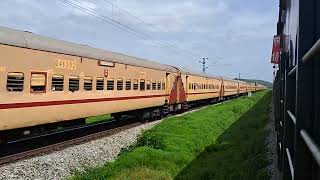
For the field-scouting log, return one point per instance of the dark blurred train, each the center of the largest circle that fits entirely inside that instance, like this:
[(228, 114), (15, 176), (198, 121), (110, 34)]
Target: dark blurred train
[(296, 90)]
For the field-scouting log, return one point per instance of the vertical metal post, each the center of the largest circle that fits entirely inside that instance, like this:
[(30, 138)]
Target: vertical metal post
[(204, 65)]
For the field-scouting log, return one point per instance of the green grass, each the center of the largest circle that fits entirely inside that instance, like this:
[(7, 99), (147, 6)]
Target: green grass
[(220, 142), (97, 119)]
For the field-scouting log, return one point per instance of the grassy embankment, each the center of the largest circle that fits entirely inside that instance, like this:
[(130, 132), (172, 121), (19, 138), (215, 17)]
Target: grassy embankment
[(225, 141)]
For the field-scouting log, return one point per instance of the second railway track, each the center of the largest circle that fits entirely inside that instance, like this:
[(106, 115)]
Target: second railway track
[(28, 147)]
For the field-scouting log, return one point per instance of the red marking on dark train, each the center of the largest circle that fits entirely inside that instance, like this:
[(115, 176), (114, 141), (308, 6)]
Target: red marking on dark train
[(76, 101)]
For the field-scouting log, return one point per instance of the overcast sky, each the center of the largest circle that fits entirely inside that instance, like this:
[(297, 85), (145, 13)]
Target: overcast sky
[(175, 32)]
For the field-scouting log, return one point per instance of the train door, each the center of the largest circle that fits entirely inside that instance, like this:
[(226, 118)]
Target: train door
[(187, 86), (177, 94), (168, 84), (238, 91), (221, 88)]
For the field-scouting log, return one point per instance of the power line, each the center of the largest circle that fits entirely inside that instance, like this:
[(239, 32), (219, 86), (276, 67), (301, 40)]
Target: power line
[(88, 10), (113, 22), (94, 14), (151, 25)]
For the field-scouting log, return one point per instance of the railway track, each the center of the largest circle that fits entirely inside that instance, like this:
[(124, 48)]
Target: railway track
[(29, 147)]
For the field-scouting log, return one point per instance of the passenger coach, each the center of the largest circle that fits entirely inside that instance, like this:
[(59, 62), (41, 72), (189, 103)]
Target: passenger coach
[(46, 82)]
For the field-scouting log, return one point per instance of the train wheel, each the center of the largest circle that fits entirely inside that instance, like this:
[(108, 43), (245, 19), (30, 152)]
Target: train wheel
[(185, 106), (143, 116)]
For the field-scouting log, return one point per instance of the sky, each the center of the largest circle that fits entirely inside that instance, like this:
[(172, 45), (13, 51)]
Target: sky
[(174, 32)]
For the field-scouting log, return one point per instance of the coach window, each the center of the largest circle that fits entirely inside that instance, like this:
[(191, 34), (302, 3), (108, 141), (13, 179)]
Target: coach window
[(128, 84), (120, 84), (163, 86), (135, 84), (15, 82), (158, 85), (154, 85), (110, 84), (74, 83), (38, 82), (57, 82), (148, 85), (100, 84), (87, 83), (142, 85)]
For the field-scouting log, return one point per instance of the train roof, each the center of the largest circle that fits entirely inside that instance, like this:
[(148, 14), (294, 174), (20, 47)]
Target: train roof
[(188, 72), (30, 40)]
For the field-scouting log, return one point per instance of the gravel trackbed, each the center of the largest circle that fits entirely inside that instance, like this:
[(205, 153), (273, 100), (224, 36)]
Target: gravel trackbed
[(60, 164)]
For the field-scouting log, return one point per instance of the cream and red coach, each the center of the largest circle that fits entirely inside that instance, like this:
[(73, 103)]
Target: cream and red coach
[(44, 81)]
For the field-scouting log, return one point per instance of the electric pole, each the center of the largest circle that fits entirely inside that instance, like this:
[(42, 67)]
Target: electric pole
[(204, 67), (203, 62)]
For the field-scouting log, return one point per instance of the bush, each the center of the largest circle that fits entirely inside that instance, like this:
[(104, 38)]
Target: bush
[(150, 139)]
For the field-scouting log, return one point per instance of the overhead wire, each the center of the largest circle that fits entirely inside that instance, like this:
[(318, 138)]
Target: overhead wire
[(94, 14), (150, 25), (82, 7)]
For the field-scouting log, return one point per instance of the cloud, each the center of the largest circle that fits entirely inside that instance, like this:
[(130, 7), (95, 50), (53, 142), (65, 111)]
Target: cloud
[(175, 16), (239, 32)]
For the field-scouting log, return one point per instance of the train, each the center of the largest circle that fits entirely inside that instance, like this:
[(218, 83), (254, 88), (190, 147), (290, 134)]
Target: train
[(46, 82), (296, 98)]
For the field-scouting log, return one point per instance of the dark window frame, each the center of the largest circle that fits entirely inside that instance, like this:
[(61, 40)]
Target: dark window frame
[(154, 85), (120, 84), (148, 86), (45, 82), (55, 82), (158, 85), (99, 84), (128, 84), (15, 80), (86, 84), (74, 77), (109, 87), (135, 84), (142, 84)]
